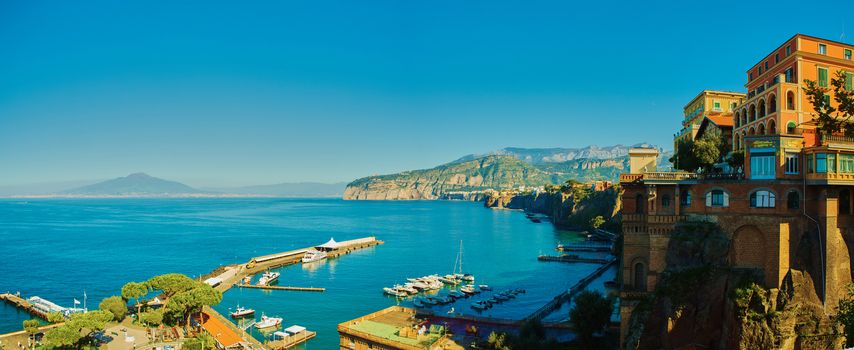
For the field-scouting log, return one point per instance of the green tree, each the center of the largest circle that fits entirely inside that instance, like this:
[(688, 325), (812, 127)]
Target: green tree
[(71, 332), (683, 156), (590, 314), (736, 160), (597, 222), (62, 337), (152, 318), (200, 342), (707, 153), (31, 327), (832, 119), (187, 302), (845, 315), (55, 317), (135, 290), (172, 283), (116, 306)]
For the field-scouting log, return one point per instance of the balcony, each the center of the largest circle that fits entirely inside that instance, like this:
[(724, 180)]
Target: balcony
[(668, 177), (830, 178), (653, 219), (629, 178), (828, 140)]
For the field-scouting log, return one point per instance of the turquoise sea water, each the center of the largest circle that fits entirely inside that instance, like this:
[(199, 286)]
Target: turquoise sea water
[(56, 249)]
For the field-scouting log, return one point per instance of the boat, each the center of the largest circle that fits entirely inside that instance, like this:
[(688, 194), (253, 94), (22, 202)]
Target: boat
[(429, 301), (268, 322), (268, 278), (500, 297), (468, 277), (417, 285), (560, 247), (610, 284), (313, 255), (479, 305), (247, 279), (407, 289), (468, 290), (456, 294), (394, 292), (449, 279), (484, 287), (242, 312), (417, 303)]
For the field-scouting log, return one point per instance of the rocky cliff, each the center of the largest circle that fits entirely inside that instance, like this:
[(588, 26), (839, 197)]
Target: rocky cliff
[(702, 302), (571, 209)]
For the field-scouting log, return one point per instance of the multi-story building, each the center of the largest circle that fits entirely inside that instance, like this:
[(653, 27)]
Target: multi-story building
[(795, 189), (394, 327), (708, 103)]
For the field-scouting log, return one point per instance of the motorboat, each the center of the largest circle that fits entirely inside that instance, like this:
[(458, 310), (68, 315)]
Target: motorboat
[(268, 322), (500, 297), (242, 312), (268, 278), (468, 290), (457, 294), (468, 277), (394, 292), (407, 289), (429, 301), (417, 285), (484, 287), (313, 255), (479, 305), (417, 302), (247, 279), (449, 279)]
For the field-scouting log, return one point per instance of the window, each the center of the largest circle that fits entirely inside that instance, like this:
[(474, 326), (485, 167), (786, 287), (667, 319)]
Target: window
[(788, 50), (810, 162), (821, 163), (751, 76), (790, 75), (849, 81), (665, 201), (822, 49), (793, 200), (790, 128), (762, 199), (762, 165), (776, 58), (766, 65), (640, 277), (685, 200), (790, 100), (822, 77), (846, 163), (792, 166), (847, 54), (717, 106), (732, 106), (760, 70), (717, 198)]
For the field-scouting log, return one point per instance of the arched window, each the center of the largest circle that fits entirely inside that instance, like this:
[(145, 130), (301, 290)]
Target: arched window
[(640, 277), (793, 200), (763, 199), (639, 204), (737, 119), (685, 200), (790, 127), (761, 108), (790, 100), (772, 127), (772, 104), (665, 201), (752, 114), (717, 198), (761, 129), (752, 131)]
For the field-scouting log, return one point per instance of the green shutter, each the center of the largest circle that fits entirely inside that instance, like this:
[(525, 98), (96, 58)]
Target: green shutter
[(849, 81), (822, 77)]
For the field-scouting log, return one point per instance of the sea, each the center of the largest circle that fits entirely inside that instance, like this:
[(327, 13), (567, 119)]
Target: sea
[(61, 249)]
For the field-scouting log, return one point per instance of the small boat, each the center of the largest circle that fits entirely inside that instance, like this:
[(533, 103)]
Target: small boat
[(560, 247), (417, 303), (268, 322), (268, 278), (407, 289), (247, 279), (242, 312), (456, 294), (429, 301), (468, 277), (479, 305), (312, 256), (484, 287), (500, 297), (468, 290), (417, 285), (394, 292)]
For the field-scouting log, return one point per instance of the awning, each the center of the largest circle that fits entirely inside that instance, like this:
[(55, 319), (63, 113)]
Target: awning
[(331, 244), (294, 329)]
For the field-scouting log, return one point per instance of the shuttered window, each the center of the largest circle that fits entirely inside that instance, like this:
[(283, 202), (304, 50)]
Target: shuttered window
[(822, 77), (717, 198)]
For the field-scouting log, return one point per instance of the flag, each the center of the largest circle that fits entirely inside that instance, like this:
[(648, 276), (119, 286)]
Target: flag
[(76, 302)]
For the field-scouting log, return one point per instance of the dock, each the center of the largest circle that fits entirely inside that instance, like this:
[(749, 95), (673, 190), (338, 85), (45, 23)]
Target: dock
[(586, 247), (22, 304), (575, 259), (561, 298), (298, 289), (292, 340)]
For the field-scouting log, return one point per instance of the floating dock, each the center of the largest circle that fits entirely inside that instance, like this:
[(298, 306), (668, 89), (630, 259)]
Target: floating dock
[(574, 259), (298, 289), (292, 340)]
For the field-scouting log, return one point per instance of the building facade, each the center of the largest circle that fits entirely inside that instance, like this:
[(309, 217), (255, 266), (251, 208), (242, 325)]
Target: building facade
[(797, 184), (708, 103)]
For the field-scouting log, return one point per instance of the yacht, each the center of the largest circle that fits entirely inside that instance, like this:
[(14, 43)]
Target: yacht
[(268, 278), (484, 287), (313, 255), (242, 312), (468, 290), (247, 279), (407, 289), (468, 277), (268, 322), (394, 292)]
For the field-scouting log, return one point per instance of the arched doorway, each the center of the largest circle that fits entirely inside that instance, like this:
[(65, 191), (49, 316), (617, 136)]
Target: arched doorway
[(748, 248)]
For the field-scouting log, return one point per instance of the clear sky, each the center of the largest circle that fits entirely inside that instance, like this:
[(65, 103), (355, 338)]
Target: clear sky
[(231, 93)]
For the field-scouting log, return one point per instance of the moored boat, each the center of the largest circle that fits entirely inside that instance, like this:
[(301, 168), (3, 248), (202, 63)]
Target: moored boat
[(268, 278), (313, 255), (268, 322), (394, 292), (456, 294), (484, 287), (242, 312)]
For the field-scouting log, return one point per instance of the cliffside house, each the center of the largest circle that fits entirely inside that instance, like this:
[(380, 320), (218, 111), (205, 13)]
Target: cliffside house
[(796, 182)]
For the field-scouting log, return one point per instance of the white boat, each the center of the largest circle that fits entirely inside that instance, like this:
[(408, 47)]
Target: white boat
[(242, 312), (268, 322), (394, 292), (468, 277), (268, 278), (313, 255), (484, 287), (468, 290), (417, 285), (407, 289)]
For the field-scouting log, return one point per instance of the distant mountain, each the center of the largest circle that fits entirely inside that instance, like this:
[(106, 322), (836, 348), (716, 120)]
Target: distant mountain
[(298, 189), (42, 188), (503, 169), (138, 184)]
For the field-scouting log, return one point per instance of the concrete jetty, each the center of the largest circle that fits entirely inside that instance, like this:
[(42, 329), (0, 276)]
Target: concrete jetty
[(22, 304), (298, 289), (574, 258)]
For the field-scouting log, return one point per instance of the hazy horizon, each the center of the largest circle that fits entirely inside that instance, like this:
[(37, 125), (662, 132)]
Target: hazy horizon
[(222, 94)]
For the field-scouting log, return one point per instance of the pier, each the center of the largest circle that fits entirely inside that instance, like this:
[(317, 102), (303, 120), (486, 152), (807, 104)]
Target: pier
[(22, 304), (574, 259), (586, 247), (299, 289), (292, 340), (561, 298)]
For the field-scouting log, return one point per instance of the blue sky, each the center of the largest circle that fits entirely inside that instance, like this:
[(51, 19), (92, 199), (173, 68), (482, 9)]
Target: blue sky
[(217, 93)]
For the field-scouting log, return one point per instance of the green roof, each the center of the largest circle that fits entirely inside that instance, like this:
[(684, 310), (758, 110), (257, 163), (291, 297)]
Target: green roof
[(389, 332)]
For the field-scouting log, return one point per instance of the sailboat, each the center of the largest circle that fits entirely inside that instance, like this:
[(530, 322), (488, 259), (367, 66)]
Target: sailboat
[(458, 274)]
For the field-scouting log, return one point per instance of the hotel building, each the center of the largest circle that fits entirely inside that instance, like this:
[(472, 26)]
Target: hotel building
[(795, 188)]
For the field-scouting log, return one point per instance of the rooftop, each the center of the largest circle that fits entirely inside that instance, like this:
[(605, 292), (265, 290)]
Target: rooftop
[(394, 325)]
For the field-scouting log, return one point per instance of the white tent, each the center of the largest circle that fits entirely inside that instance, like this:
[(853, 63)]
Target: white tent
[(294, 329), (331, 245)]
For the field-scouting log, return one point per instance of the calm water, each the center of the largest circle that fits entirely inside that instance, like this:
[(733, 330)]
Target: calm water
[(57, 248)]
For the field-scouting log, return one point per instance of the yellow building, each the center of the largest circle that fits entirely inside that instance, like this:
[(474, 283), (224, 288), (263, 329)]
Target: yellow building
[(394, 327), (708, 103)]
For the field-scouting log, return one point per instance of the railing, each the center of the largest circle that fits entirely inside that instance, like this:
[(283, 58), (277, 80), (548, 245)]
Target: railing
[(633, 217), (831, 176), (722, 176), (630, 177), (669, 176), (826, 138), (664, 219)]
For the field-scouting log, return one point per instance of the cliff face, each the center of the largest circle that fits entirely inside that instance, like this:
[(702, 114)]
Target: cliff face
[(702, 301), (565, 209), (491, 172)]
